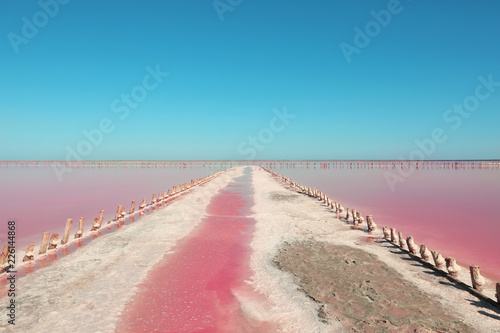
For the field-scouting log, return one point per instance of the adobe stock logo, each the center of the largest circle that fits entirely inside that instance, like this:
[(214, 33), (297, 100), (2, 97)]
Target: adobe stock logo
[(222, 7), (49, 9), (265, 136)]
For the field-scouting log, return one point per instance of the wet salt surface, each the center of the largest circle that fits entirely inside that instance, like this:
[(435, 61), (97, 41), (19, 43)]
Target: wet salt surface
[(196, 287)]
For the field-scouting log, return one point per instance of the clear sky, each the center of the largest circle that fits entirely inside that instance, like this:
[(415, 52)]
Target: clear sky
[(249, 79)]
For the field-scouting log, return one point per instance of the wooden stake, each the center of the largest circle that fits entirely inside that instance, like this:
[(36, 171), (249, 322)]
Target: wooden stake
[(387, 233), (394, 237), (101, 217), (30, 252), (79, 232), (438, 259), (143, 203), (498, 292), (370, 224), (45, 241), (4, 262), (477, 280), (118, 212), (132, 208), (54, 239), (67, 230), (95, 225), (425, 253), (452, 266), (412, 247), (402, 242)]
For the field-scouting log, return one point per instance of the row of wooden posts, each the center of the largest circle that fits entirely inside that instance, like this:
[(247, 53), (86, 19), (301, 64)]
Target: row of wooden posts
[(396, 237), (50, 242)]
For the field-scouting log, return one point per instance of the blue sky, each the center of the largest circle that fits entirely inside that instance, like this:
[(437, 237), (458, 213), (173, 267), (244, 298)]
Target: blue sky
[(228, 78)]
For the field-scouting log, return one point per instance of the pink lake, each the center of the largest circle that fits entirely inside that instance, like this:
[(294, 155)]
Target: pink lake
[(453, 211), (453, 208), (39, 202)]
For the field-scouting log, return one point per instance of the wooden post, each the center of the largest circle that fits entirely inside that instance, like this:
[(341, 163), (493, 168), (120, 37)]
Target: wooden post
[(452, 266), (118, 212), (361, 219), (394, 237), (498, 292), (101, 217), (477, 280), (132, 208), (387, 233), (30, 255), (143, 203), (370, 223), (424, 252), (79, 232), (347, 215), (4, 262), (54, 239), (438, 259), (402, 241), (354, 216), (412, 247), (95, 226), (67, 230), (45, 241), (123, 213)]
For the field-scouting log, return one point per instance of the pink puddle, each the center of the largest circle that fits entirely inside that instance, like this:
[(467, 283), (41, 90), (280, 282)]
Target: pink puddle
[(193, 289)]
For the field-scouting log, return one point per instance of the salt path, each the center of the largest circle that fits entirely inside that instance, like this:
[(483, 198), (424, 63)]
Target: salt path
[(193, 289), (223, 258)]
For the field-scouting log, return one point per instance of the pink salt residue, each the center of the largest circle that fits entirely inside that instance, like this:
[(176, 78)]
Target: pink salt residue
[(193, 289)]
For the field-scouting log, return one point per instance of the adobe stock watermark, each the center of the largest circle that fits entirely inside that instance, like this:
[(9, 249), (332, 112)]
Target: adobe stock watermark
[(372, 29), (252, 144), (48, 9), (453, 116), (223, 6), (121, 106)]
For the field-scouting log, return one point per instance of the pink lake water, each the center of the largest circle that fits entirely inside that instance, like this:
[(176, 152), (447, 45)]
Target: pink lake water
[(193, 288), (455, 211), (452, 207), (39, 202)]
